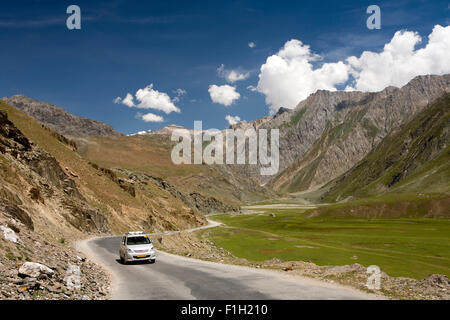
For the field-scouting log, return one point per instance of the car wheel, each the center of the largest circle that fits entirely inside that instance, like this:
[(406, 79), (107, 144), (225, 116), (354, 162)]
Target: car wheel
[(153, 261)]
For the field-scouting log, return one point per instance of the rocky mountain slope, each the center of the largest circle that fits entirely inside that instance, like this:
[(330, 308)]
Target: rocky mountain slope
[(33, 184), (329, 132), (413, 158), (59, 119), (51, 196), (123, 202), (40, 207), (151, 155)]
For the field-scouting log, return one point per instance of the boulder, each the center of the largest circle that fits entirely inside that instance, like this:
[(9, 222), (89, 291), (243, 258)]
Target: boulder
[(9, 234), (34, 270)]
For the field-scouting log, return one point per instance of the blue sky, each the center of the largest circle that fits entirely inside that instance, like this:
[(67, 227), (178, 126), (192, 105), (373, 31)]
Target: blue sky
[(124, 46)]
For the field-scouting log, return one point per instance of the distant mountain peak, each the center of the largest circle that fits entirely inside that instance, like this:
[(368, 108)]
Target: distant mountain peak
[(281, 111), (330, 131)]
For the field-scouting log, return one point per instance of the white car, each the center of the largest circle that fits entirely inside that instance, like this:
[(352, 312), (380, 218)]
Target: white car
[(136, 246)]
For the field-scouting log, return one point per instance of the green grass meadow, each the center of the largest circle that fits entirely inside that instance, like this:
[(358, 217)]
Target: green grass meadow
[(405, 247)]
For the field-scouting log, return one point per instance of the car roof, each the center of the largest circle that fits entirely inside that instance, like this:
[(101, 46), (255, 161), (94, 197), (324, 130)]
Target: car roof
[(135, 233)]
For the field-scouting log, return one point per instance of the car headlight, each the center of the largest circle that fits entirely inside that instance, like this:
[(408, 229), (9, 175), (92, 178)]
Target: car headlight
[(131, 251)]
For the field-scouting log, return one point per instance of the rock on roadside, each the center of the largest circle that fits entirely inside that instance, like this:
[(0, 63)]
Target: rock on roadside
[(9, 234), (34, 270)]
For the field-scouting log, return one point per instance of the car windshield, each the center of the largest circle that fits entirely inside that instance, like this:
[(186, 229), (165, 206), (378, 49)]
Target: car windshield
[(138, 240)]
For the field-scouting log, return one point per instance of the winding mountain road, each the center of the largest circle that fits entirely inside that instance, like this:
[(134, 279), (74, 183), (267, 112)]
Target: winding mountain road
[(179, 278)]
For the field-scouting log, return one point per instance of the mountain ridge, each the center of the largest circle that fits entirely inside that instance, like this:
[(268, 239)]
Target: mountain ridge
[(332, 131), (59, 119), (403, 154), (323, 137), (123, 201)]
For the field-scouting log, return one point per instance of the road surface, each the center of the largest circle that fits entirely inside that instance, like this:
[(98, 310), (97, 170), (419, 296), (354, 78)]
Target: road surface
[(211, 224), (179, 278), (280, 206)]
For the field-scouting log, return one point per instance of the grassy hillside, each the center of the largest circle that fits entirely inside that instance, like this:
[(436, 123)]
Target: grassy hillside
[(413, 159), (150, 154)]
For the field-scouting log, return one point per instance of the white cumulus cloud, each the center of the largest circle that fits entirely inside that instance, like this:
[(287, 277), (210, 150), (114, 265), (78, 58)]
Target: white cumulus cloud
[(289, 76), (149, 98), (251, 44), (128, 100), (224, 94), (232, 120), (150, 117), (399, 61), (232, 75)]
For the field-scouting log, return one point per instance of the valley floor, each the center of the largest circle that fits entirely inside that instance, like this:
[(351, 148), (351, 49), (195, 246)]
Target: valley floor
[(413, 254)]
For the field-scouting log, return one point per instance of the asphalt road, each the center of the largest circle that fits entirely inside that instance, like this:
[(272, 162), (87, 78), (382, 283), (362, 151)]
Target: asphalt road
[(176, 277)]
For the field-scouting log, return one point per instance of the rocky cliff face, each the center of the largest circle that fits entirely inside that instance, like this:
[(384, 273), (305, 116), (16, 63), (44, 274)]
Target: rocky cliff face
[(413, 158), (40, 207), (193, 199), (329, 132), (60, 120), (130, 181), (33, 181), (151, 155), (74, 195)]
